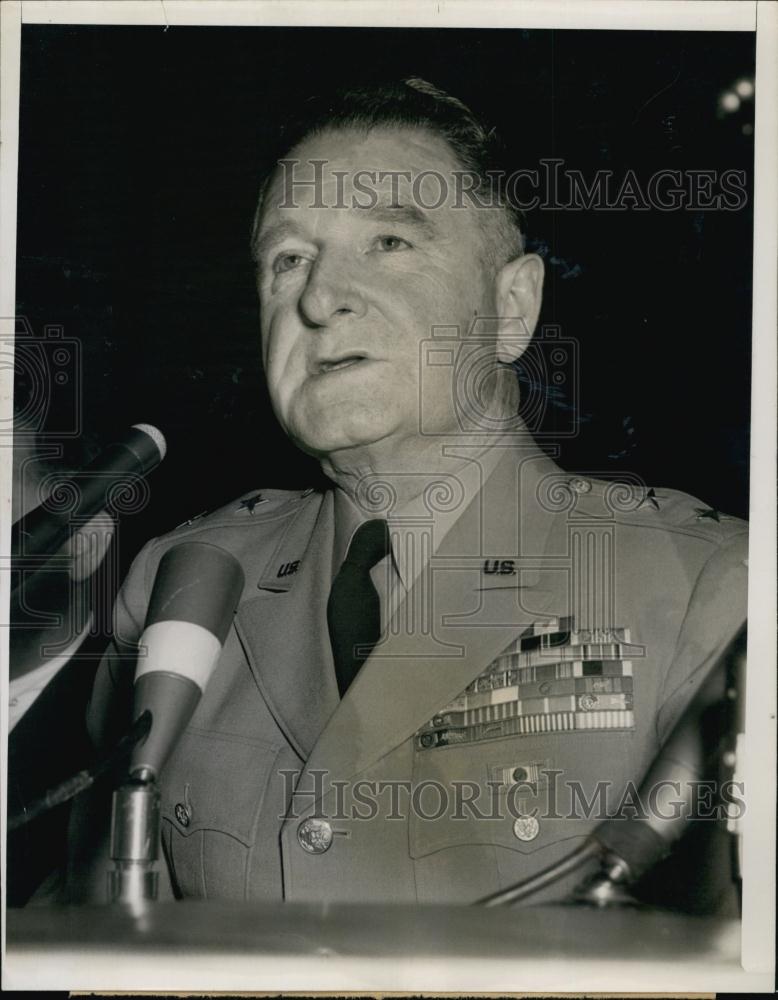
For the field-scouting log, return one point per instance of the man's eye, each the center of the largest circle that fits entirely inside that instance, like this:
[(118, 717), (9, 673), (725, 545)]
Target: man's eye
[(388, 244), (287, 262)]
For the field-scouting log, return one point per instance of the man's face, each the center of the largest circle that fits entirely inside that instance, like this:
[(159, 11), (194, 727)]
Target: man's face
[(347, 294)]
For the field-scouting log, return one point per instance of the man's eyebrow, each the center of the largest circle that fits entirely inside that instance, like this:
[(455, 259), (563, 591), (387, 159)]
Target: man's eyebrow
[(269, 237), (394, 214), (383, 212)]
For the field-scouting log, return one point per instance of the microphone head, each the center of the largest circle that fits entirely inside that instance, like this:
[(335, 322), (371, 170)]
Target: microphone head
[(156, 436), (134, 454), (196, 591)]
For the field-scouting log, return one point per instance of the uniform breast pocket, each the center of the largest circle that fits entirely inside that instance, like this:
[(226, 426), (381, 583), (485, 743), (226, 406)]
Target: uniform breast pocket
[(213, 791), (519, 754), (486, 794), (523, 794)]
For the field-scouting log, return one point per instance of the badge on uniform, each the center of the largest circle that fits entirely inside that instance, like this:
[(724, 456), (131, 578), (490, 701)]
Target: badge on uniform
[(553, 679)]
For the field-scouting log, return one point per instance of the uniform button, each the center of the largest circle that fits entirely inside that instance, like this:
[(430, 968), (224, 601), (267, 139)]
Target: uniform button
[(315, 835), (526, 828), (520, 774), (579, 485), (182, 814)]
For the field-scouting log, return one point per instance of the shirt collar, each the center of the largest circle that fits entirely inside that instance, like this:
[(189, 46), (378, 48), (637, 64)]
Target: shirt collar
[(438, 503), (348, 517)]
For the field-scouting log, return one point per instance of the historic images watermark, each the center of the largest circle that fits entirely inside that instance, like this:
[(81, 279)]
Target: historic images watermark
[(550, 186), (465, 363), (548, 797)]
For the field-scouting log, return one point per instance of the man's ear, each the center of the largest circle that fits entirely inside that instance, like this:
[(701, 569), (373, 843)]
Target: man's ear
[(88, 546), (519, 290)]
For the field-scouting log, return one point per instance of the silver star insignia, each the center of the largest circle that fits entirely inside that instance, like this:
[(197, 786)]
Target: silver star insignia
[(709, 513), (251, 503), (653, 498)]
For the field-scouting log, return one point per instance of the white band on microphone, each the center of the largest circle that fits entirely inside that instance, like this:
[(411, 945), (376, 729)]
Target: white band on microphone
[(178, 647)]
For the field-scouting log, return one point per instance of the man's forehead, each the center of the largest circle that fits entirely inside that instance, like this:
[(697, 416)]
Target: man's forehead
[(383, 161), (380, 146)]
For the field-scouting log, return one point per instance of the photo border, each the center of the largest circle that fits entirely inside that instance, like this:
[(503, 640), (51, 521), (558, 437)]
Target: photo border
[(758, 920)]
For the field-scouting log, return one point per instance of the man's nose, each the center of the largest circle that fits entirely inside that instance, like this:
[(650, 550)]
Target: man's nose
[(330, 293)]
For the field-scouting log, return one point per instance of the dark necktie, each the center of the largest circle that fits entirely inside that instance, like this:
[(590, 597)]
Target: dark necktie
[(353, 608)]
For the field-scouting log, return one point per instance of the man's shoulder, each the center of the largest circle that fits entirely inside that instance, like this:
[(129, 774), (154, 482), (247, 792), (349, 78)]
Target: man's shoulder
[(255, 507), (650, 511), (250, 527), (666, 548), (256, 516)]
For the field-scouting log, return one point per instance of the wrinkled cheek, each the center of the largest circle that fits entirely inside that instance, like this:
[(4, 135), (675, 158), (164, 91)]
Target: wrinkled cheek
[(284, 391), (284, 361)]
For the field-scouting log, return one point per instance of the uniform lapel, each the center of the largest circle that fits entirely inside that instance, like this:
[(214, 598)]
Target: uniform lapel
[(409, 677), (283, 626)]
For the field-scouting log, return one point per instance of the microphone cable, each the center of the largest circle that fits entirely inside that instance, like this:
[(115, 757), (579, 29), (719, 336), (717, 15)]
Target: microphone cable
[(73, 786), (590, 849)]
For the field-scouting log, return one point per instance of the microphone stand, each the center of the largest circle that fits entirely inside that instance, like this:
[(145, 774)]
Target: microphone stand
[(195, 594), (135, 834)]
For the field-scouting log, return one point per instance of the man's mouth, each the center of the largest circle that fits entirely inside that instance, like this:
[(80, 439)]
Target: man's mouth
[(338, 364)]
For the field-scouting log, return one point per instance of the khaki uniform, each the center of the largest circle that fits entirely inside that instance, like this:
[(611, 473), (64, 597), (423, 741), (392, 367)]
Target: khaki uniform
[(554, 636)]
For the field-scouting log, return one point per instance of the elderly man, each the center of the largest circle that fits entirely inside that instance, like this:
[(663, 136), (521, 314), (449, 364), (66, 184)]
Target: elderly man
[(434, 659)]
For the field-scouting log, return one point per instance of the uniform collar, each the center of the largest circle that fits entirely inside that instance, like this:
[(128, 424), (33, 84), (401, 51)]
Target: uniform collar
[(282, 570), (348, 517), (444, 509), (440, 501)]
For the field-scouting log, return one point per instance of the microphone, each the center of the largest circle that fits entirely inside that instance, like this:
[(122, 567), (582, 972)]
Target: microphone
[(632, 846), (44, 530), (196, 591)]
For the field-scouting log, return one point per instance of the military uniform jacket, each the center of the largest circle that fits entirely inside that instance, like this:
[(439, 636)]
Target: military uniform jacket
[(554, 638)]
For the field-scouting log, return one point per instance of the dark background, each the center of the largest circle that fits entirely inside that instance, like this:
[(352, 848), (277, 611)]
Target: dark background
[(140, 150), (140, 153)]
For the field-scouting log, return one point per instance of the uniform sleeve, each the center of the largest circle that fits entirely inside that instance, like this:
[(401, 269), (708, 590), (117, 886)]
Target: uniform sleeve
[(109, 710), (715, 614)]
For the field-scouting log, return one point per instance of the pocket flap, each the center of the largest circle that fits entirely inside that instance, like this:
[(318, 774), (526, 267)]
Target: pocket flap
[(216, 781)]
